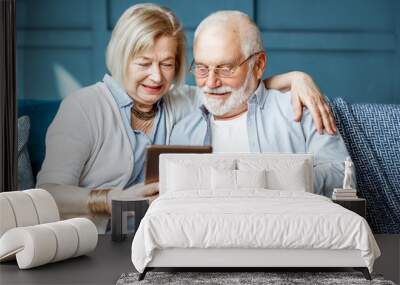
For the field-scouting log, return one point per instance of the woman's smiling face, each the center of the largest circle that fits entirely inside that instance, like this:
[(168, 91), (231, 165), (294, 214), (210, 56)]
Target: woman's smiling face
[(151, 73)]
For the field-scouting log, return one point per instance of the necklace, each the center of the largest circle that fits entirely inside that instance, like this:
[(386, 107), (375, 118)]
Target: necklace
[(142, 125), (145, 116)]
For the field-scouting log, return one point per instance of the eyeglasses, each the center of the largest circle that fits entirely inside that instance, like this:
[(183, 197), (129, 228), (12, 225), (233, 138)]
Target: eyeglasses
[(202, 71)]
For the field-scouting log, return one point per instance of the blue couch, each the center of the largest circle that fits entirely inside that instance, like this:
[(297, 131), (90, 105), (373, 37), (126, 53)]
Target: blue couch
[(41, 114), (371, 133)]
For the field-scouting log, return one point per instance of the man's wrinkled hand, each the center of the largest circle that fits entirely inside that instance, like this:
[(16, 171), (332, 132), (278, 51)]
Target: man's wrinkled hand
[(306, 93)]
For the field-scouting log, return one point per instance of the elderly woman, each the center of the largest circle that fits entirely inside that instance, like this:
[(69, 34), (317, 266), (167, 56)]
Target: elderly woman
[(95, 145)]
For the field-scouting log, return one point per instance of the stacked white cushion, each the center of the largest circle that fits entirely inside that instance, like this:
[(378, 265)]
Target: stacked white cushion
[(27, 208), (7, 218), (31, 232), (31, 246), (87, 234), (41, 244), (67, 240), (45, 205), (23, 209)]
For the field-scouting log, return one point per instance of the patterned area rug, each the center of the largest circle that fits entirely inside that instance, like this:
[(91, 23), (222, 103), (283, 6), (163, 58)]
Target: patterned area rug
[(242, 278)]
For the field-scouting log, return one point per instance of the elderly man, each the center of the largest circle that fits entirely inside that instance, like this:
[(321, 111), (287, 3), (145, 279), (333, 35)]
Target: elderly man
[(239, 114)]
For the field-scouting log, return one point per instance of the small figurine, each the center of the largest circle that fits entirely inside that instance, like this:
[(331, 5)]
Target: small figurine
[(348, 173)]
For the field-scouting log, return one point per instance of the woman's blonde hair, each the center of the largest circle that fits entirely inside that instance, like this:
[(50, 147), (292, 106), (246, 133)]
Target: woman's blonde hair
[(136, 31)]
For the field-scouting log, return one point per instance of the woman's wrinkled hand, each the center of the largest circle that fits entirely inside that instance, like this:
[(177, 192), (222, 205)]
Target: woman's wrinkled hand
[(136, 191), (306, 93), (141, 190)]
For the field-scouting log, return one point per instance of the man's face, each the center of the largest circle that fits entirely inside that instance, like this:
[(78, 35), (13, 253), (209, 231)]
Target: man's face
[(223, 96)]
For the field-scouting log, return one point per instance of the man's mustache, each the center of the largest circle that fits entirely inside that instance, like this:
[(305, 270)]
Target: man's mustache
[(219, 90)]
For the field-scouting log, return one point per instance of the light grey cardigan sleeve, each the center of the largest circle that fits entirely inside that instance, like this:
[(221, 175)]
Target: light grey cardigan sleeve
[(68, 145)]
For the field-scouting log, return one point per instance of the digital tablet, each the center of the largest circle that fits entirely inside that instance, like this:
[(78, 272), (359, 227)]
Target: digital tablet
[(153, 152)]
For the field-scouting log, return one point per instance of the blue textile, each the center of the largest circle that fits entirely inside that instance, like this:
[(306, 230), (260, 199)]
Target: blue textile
[(138, 140), (372, 135)]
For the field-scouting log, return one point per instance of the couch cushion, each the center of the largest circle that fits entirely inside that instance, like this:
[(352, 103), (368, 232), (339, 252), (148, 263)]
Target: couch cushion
[(25, 176)]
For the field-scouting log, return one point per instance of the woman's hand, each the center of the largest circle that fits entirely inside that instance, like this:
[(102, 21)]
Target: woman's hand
[(141, 190), (136, 191), (149, 191), (305, 93)]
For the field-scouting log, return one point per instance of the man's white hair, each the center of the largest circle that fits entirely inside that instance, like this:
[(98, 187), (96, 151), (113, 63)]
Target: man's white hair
[(250, 36)]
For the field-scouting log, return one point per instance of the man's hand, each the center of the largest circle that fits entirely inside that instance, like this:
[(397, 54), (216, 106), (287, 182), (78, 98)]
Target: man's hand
[(306, 93)]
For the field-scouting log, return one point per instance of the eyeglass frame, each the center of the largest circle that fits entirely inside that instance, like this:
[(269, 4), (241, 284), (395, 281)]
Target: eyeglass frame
[(232, 70)]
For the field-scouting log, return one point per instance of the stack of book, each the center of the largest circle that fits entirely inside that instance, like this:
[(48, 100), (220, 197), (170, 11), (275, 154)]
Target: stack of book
[(344, 194)]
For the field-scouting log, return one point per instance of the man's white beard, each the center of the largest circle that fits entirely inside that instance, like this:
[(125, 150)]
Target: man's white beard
[(219, 107)]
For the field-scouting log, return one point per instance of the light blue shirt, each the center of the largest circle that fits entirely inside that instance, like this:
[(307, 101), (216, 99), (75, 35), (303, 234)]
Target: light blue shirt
[(138, 139), (271, 128)]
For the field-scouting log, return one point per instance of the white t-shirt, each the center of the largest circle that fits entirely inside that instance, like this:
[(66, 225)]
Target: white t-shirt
[(230, 135)]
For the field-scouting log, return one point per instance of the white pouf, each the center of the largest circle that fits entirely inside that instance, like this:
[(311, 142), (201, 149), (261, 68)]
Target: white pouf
[(40, 244), (31, 232)]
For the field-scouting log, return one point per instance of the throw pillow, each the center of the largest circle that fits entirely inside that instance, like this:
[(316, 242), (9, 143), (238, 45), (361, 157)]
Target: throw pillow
[(251, 178), (283, 173), (181, 177), (292, 179), (223, 179), (227, 179), (25, 176)]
